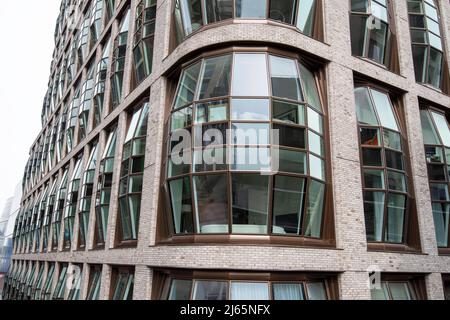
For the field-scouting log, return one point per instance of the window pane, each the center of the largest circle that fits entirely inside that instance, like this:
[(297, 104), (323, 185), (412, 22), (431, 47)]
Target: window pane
[(282, 10), (374, 215), (210, 290), (370, 137), (212, 111), (384, 110), (251, 9), (285, 79), (250, 110), (372, 157), (311, 90), (210, 159), (315, 121), (249, 291), (394, 160), (291, 136), (211, 203), (400, 291), (379, 11), (380, 294), (360, 5), (250, 159), (429, 133), (250, 203), (288, 291), (180, 290), (441, 214), (420, 62), (374, 179), (392, 140), (442, 127), (315, 143), (316, 167), (250, 133), (437, 172), (396, 217), (434, 154), (288, 112), (305, 16), (187, 86), (215, 77), (182, 119), (288, 202), (358, 28), (316, 291), (250, 75), (435, 68), (378, 43), (419, 36), (364, 107), (211, 134), (290, 161), (439, 192), (316, 199), (180, 192), (218, 10)]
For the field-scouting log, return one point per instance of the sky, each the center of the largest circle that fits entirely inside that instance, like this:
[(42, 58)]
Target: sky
[(26, 35)]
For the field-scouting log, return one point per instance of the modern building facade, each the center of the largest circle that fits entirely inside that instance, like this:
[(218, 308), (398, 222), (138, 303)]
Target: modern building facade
[(7, 222), (146, 183)]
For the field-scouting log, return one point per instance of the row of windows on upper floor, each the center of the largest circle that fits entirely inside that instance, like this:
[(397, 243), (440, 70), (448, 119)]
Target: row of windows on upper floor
[(373, 35), (217, 196), (34, 280)]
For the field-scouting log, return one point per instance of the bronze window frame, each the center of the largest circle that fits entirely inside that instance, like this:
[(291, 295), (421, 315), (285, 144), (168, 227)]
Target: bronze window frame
[(116, 273)]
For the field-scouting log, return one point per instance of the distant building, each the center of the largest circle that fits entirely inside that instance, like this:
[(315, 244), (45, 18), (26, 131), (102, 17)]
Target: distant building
[(7, 220)]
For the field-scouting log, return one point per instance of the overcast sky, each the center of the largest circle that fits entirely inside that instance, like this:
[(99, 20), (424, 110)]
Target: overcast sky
[(26, 35)]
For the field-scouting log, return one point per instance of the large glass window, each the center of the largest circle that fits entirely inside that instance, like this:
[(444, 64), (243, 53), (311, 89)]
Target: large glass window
[(118, 61), (58, 294), (385, 179), (144, 38), (59, 209), (72, 202), (436, 135), (72, 118), (427, 44), (100, 82), (85, 103), (217, 289), (51, 203), (104, 185), (96, 22), (87, 190), (248, 114), (95, 280), (371, 33), (132, 171), (191, 15)]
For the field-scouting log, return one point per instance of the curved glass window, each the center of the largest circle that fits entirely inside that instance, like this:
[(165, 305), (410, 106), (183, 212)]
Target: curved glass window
[(385, 180), (371, 32), (144, 38), (61, 197), (103, 196), (191, 15), (427, 44), (87, 190), (40, 218), (96, 22), (100, 83), (85, 103), (72, 117), (436, 135), (72, 201), (118, 60), (51, 202), (131, 176), (239, 140)]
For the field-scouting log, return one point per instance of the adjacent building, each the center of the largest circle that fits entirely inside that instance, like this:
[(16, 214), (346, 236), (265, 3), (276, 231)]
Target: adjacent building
[(241, 149)]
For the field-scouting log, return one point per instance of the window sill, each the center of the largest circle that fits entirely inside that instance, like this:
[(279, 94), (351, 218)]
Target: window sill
[(444, 251), (379, 65), (251, 240), (393, 248), (126, 244)]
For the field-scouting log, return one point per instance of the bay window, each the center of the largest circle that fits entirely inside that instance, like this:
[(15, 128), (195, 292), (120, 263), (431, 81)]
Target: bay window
[(387, 192), (72, 117), (103, 195), (436, 135), (87, 190), (191, 15), (96, 22), (85, 103), (59, 209), (51, 202), (430, 64), (131, 177), (232, 105), (100, 83), (82, 42)]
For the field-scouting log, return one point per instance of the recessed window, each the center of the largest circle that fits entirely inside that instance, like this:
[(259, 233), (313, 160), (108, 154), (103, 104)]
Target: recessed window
[(95, 280), (58, 294), (47, 289), (190, 16), (371, 31), (247, 125), (61, 197), (427, 45), (131, 177), (122, 284), (385, 179), (436, 136)]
